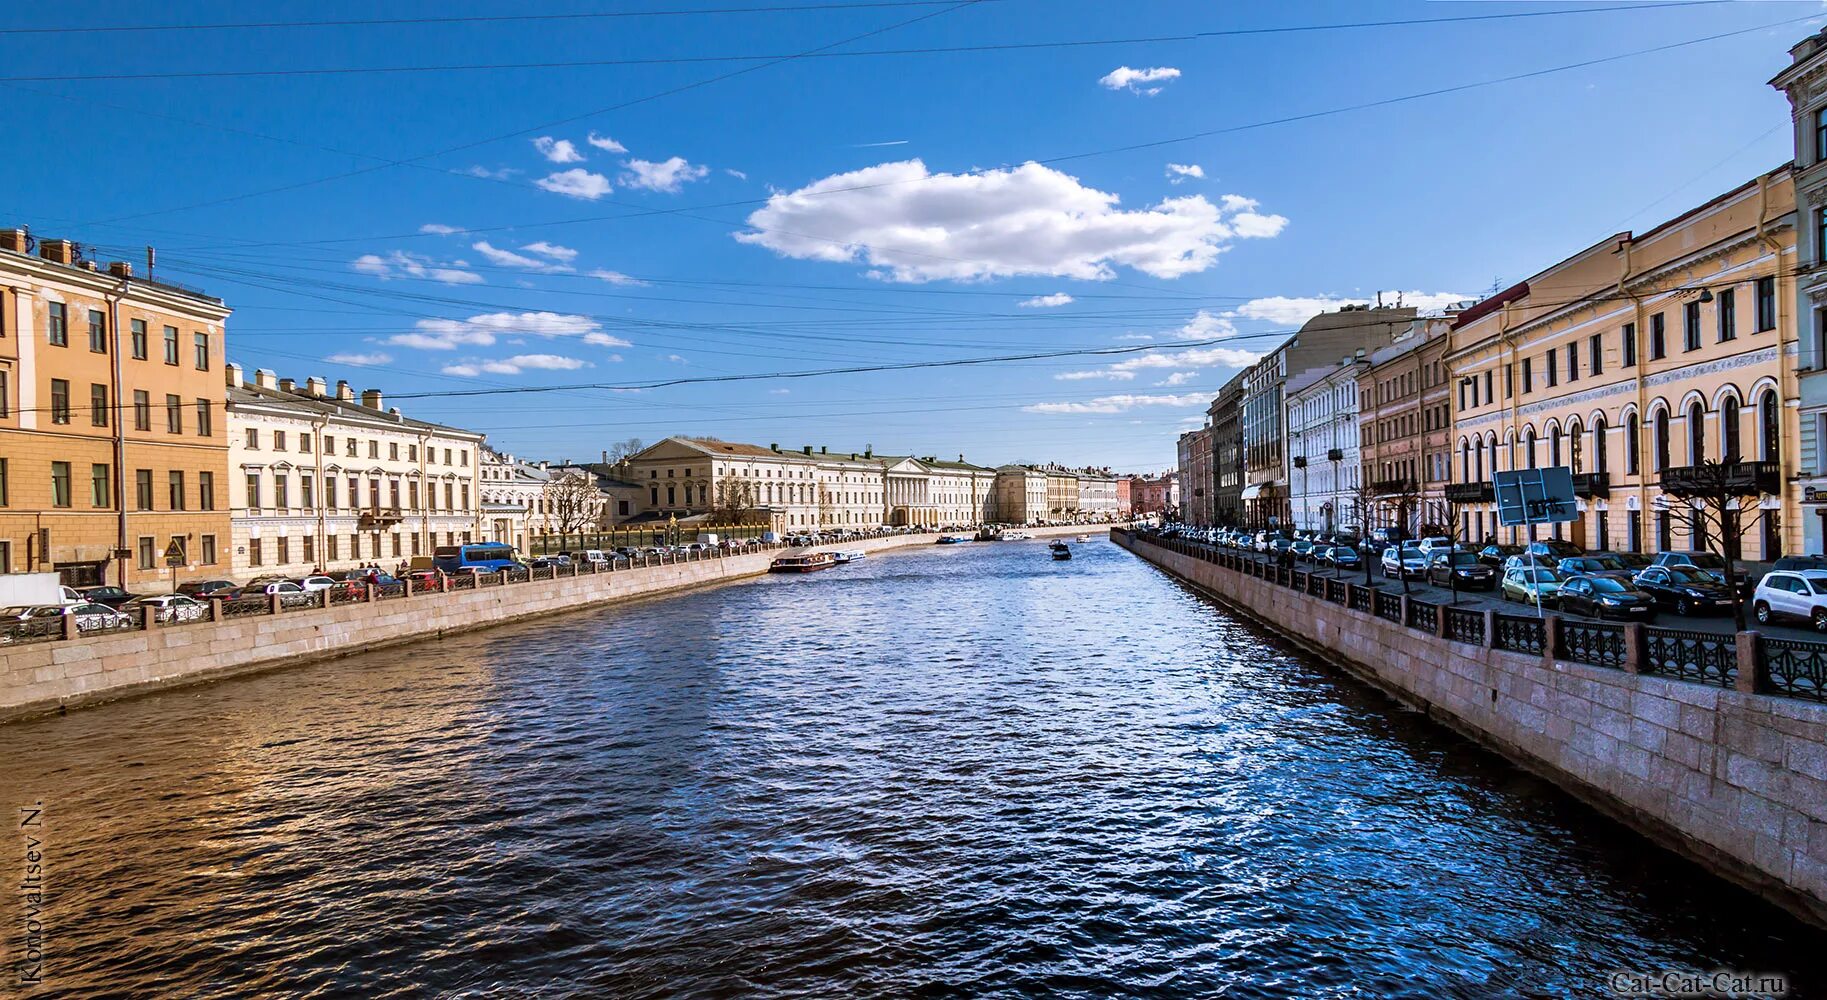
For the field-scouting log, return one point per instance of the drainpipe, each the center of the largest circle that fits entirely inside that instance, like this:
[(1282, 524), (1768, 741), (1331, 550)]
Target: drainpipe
[(119, 435), (1783, 373), (320, 547), (1639, 319)]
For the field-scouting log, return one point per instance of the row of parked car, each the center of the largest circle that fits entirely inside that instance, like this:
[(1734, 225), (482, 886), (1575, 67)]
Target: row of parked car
[(1557, 573)]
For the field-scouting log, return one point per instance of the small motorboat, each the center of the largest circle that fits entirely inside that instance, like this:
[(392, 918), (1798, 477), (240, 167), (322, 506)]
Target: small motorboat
[(1016, 536), (849, 557), (1084, 538), (951, 540), (803, 564), (1060, 550)]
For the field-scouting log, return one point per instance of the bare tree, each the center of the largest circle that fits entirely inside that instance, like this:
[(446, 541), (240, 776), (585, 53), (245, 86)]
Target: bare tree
[(621, 451), (1717, 495), (572, 502), (735, 501), (826, 510), (1446, 518), (1365, 502)]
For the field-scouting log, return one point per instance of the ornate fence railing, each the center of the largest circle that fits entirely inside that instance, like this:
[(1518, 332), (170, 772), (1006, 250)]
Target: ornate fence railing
[(1796, 667), (1465, 626), (348, 595), (1594, 643), (1704, 657), (1358, 599), (1520, 635), (1387, 606), (36, 630), (389, 591), (1424, 616), (243, 607)]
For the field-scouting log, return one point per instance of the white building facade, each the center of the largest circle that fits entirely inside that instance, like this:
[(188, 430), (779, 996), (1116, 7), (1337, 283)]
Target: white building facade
[(1322, 455)]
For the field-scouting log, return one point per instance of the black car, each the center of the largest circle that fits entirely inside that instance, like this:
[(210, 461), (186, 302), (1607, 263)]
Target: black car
[(1597, 563), (113, 597), (1552, 550), (1495, 556), (1463, 570), (202, 589), (1601, 595), (1689, 591), (1800, 563)]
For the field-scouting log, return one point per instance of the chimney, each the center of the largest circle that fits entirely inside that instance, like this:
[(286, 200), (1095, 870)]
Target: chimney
[(89, 265), (120, 269), (869, 451), (822, 451), (806, 448), (287, 385), (231, 374), (961, 458), (774, 447), (57, 251), (265, 379), (394, 412), (17, 240), (605, 457), (344, 392), (371, 398), (314, 386)]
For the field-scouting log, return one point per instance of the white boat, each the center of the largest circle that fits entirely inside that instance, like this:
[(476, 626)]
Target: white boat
[(850, 557), (1084, 538), (1015, 536)]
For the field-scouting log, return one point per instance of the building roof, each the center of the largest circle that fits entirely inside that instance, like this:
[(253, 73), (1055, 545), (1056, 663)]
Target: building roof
[(738, 448), (329, 406)]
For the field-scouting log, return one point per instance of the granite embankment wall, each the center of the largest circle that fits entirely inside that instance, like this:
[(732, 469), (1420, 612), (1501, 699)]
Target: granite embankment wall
[(46, 676), (1732, 779)]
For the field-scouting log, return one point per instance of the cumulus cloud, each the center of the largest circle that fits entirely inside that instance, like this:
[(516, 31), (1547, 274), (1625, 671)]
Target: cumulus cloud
[(668, 175), (576, 183), (485, 173), (360, 360), (508, 258), (1178, 172), (552, 250), (483, 329), (1080, 376), (1136, 336), (1046, 301), (515, 365), (675, 359), (1120, 404), (400, 264), (605, 143), (600, 339), (1284, 310), (914, 226), (615, 277), (1178, 378), (1191, 357), (1137, 81), (733, 172), (558, 150), (438, 229)]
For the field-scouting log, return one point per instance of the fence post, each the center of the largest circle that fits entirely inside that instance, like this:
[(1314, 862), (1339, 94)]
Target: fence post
[(1752, 676), (407, 583), (1401, 610), (368, 592), (1551, 639), (149, 618), (272, 604), (323, 597), (1440, 612), (1636, 651), (69, 627), (215, 610), (1490, 629)]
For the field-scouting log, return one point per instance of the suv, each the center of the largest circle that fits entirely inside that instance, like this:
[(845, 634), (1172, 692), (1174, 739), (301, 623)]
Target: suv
[(1463, 570), (1705, 562), (1551, 550), (1800, 594), (1404, 562)]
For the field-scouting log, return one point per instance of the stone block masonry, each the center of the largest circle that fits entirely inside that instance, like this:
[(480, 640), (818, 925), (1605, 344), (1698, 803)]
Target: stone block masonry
[(1732, 779)]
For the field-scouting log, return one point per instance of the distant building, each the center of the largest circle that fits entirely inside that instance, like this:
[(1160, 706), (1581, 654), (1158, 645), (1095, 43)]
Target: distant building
[(1153, 494), (1225, 418), (1195, 473), (1020, 494), (512, 498), (1322, 443), (1405, 422)]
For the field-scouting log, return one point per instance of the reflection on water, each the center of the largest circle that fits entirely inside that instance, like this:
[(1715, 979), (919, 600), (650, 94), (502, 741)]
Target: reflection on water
[(966, 770)]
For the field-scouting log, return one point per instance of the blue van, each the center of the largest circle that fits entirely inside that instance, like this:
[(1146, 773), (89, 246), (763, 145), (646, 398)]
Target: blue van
[(489, 556)]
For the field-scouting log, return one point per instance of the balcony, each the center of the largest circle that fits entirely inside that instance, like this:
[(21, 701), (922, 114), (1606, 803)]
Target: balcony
[(1591, 484), (1300, 461), (1335, 454), (1722, 478), (1394, 487), (378, 517), (1481, 492)]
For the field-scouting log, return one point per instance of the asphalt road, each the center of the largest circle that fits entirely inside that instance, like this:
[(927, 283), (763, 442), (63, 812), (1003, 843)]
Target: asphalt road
[(1481, 599)]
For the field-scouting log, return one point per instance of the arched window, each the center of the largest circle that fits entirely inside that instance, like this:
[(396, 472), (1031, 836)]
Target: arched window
[(1465, 462), (1633, 443), (1554, 446), (1478, 454), (1599, 460), (1574, 445), (1769, 444), (1728, 430), (1696, 433), (1530, 444), (1661, 440)]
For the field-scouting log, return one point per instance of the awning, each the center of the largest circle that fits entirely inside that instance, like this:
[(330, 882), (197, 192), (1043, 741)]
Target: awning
[(1251, 491)]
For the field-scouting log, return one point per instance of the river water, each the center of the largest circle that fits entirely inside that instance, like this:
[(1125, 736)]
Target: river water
[(958, 771)]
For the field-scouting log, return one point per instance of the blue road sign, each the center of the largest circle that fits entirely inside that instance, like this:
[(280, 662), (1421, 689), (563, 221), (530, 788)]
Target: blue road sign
[(1534, 496)]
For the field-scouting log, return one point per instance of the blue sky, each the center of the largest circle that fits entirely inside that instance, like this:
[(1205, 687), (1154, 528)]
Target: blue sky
[(856, 210)]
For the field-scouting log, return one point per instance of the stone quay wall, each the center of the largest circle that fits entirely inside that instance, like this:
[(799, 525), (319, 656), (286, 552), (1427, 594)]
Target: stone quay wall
[(1733, 779), (42, 677)]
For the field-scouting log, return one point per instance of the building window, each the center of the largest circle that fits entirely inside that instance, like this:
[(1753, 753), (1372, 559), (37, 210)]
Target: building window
[(1487, 386), (1627, 346), (1573, 362), (254, 556), (145, 552), (57, 324), (3, 489), (1728, 315), (171, 345), (253, 491), (1661, 440), (60, 401), (1690, 326), (1696, 433), (1728, 430), (205, 426), (176, 489), (174, 414), (253, 439), (6, 393), (1528, 376), (98, 332), (285, 549), (1549, 372), (310, 549), (202, 351), (98, 405), (1600, 446), (1766, 304), (142, 489), (206, 491), (101, 490), (142, 410), (1595, 354), (137, 333), (60, 484), (307, 497), (209, 550), (280, 499), (329, 492), (1658, 337)]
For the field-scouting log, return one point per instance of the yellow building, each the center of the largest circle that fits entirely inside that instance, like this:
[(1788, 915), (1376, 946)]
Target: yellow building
[(113, 444), (1639, 354)]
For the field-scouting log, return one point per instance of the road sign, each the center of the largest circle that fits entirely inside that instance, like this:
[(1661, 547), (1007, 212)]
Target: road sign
[(174, 553), (1535, 496)]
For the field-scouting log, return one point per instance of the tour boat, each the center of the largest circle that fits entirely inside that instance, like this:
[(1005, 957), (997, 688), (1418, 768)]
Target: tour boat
[(803, 564), (1016, 536), (951, 540), (1061, 550), (855, 555)]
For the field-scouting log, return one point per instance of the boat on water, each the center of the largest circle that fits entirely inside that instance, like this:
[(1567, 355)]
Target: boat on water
[(1084, 538), (807, 563), (850, 556), (1060, 550), (1016, 536), (951, 540)]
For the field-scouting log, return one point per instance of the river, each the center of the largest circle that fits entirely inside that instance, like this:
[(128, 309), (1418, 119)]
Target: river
[(958, 771)]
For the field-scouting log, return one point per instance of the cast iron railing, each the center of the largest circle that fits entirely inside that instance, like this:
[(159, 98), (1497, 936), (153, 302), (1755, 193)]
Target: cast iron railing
[(1520, 635), (1704, 657), (1358, 599), (1797, 668), (1465, 626), (1424, 616), (1388, 606), (35, 630), (243, 607), (1598, 644)]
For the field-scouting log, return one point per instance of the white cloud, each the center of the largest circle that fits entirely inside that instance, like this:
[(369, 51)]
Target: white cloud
[(1206, 325), (616, 277), (485, 173), (558, 150), (600, 339), (1132, 80), (438, 229), (605, 143), (912, 225), (1080, 376), (1046, 301), (1178, 172), (1136, 336), (779, 392), (1191, 357), (675, 359), (733, 172), (400, 264), (482, 330), (359, 360), (1284, 310), (1178, 378), (508, 258), (1120, 404), (515, 365), (667, 175), (576, 183), (552, 250)]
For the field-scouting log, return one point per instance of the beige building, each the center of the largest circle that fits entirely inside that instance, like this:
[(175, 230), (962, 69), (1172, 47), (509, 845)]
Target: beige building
[(113, 445), (1020, 495), (512, 498), (1636, 356), (1405, 427), (1097, 495), (322, 480)]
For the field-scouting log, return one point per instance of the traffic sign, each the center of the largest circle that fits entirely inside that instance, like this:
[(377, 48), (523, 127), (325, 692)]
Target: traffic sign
[(1535, 496), (174, 553)]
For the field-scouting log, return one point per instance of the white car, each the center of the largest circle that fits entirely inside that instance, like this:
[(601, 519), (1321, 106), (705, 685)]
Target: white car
[(89, 617), (311, 583), (170, 608), (1403, 561), (1801, 595), (1436, 543)]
